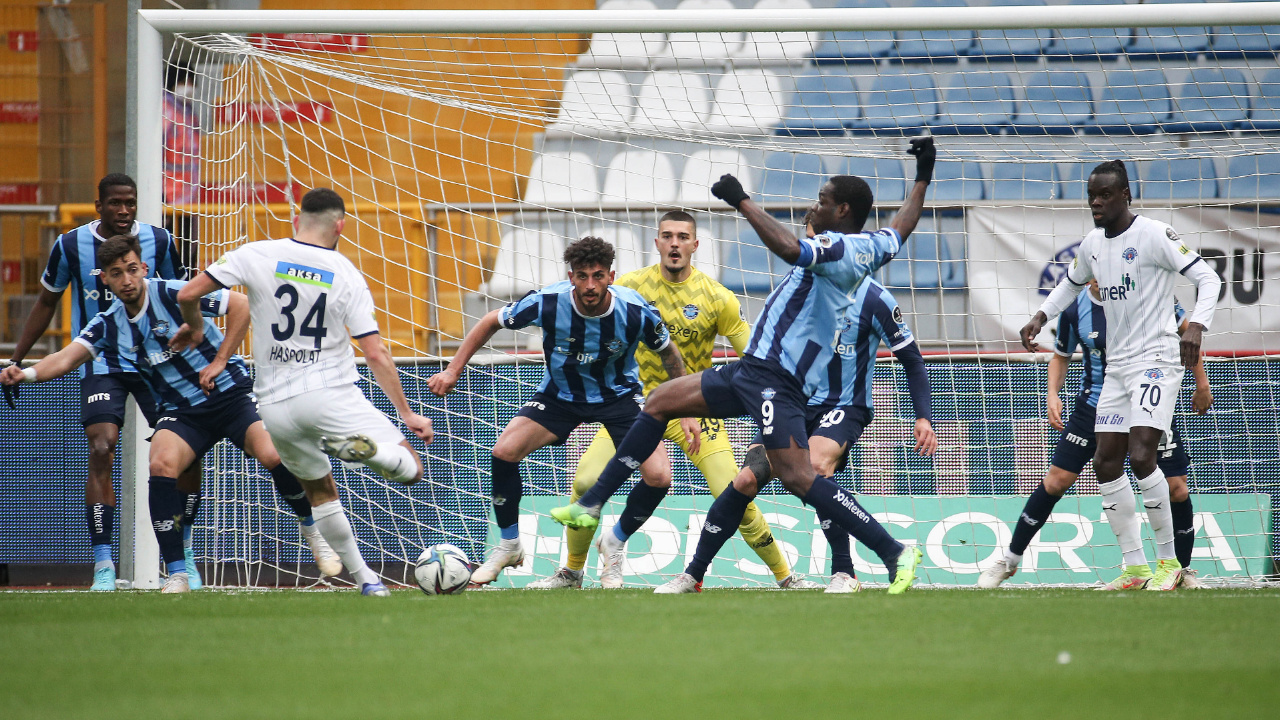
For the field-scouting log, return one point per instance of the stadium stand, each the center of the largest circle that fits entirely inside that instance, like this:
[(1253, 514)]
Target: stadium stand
[(684, 49), (1168, 42), (1265, 115), (1011, 181), (957, 182), (824, 104), (885, 175), (1254, 177), (1133, 102), (748, 266), (853, 46), (1244, 41), (591, 98), (746, 101), (704, 167), (1179, 179), (1212, 100), (527, 260), (1075, 179), (620, 50), (768, 48), (976, 103), (1057, 102), (790, 177), (670, 100), (630, 178), (562, 178), (1011, 44), (898, 104), (1102, 43), (934, 45)]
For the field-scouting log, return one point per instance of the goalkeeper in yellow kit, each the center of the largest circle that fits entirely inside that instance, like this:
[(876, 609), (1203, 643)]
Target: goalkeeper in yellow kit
[(696, 309)]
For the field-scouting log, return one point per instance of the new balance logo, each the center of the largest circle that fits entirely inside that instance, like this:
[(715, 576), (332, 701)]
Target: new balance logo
[(708, 527), (499, 501), (97, 397), (629, 461), (1187, 531), (1030, 520), (826, 524), (162, 525)]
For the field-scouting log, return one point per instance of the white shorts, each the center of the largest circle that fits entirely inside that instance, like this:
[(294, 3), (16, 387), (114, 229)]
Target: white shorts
[(296, 424), (1141, 394)]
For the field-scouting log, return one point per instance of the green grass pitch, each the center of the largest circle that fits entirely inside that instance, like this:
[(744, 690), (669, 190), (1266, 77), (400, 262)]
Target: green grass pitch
[(631, 654)]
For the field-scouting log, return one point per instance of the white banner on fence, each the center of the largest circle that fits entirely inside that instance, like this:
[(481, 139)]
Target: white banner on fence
[(1016, 256)]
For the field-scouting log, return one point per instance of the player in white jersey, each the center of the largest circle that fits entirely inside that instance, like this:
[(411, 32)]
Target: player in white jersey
[(307, 302), (1135, 260)]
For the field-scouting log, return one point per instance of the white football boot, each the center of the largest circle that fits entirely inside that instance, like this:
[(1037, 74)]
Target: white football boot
[(843, 583), (612, 552), (1191, 579), (564, 578), (799, 582), (992, 577), (498, 560), (680, 584), (177, 583)]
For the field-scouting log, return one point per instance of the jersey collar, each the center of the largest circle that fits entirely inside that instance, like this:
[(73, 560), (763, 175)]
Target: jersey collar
[(318, 247), (93, 226), (613, 302)]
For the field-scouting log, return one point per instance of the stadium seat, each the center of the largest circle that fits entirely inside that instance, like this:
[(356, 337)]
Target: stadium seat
[(853, 45), (702, 48), (1244, 41), (1075, 179), (899, 104), (933, 45), (776, 47), (1101, 43), (527, 260), (924, 262), (562, 178), (640, 176), (1056, 103), (625, 51), (1134, 102), (670, 100), (747, 101), (823, 104), (1015, 181), (630, 250), (957, 181), (885, 175), (1265, 115), (1254, 177), (704, 167), (975, 103), (747, 265), (1168, 42), (1180, 179), (791, 178), (595, 99), (1212, 100), (1010, 44)]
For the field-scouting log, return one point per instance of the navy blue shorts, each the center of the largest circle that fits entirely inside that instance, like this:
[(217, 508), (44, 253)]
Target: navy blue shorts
[(1077, 445), (773, 398), (561, 417), (103, 398), (227, 415)]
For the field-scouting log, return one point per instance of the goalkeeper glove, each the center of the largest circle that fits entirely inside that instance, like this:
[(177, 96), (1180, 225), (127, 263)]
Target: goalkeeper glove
[(926, 155), (728, 189), (10, 391)]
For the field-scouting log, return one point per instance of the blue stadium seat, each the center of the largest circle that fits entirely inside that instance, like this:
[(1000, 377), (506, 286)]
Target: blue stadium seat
[(1075, 179), (957, 181), (1212, 100), (934, 45), (1015, 181), (1254, 177), (1168, 42), (975, 103), (1102, 43), (747, 265), (885, 175), (852, 45), (1266, 106), (1002, 44), (925, 262), (1134, 102), (899, 104), (1056, 103), (1180, 179), (823, 104), (1244, 41), (791, 178)]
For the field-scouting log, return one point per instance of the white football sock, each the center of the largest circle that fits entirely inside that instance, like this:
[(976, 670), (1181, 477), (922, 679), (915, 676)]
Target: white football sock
[(1010, 559), (1155, 498), (512, 544), (1121, 507), (334, 527), (609, 542), (395, 462)]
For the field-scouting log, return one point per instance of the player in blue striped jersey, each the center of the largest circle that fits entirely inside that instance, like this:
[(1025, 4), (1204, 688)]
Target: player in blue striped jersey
[(590, 330), (790, 348), (107, 382), (1084, 325), (204, 392)]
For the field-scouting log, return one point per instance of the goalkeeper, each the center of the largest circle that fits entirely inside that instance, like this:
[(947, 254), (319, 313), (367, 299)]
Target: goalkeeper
[(695, 309)]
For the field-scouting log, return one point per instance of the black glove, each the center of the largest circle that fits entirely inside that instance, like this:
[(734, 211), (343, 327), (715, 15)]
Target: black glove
[(926, 155), (728, 189), (11, 395)]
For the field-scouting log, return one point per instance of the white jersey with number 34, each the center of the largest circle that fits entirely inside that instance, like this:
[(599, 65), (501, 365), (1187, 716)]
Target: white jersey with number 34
[(306, 303), (1135, 271)]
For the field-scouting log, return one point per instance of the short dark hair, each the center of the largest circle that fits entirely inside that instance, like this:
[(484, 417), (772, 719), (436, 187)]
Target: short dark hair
[(319, 200), (856, 193), (116, 247), (114, 180), (588, 252), (1113, 167), (679, 216)]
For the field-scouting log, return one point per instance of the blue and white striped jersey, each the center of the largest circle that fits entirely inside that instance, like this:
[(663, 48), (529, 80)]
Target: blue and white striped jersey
[(73, 262), (174, 378), (797, 329), (873, 318), (589, 359)]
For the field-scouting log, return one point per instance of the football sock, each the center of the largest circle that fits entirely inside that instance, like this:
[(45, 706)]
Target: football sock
[(838, 539), (1121, 507), (336, 530), (1034, 514), (190, 507), (579, 542), (1184, 531), (725, 513), (165, 503), (290, 490), (759, 536), (505, 492), (636, 447), (641, 502), (833, 502), (1155, 498), (101, 518), (395, 462)]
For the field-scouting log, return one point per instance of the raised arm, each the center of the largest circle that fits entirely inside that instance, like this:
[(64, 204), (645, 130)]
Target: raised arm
[(442, 382), (908, 216), (384, 371), (776, 236)]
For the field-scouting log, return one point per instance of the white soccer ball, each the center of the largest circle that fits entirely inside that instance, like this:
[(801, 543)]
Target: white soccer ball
[(442, 570)]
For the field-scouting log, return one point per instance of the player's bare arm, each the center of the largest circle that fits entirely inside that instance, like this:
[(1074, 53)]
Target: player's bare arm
[(443, 382), (237, 327), (1202, 398), (53, 366), (383, 367), (189, 296), (908, 216), (1057, 377), (777, 237)]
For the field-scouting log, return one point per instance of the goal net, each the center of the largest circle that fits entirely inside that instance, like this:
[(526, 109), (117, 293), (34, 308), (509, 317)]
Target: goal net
[(470, 147)]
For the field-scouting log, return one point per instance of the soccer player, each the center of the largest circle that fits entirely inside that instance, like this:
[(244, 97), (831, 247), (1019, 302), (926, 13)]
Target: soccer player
[(696, 309), (590, 329), (791, 347), (1134, 259), (307, 302), (203, 391), (1081, 324)]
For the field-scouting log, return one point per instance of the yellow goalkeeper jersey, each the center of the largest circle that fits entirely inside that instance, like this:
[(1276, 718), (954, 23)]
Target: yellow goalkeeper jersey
[(695, 311)]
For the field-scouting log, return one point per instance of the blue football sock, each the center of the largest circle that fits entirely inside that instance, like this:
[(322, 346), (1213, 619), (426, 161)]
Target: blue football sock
[(641, 503), (722, 522), (510, 532), (176, 567), (290, 490), (166, 518), (619, 534), (838, 539), (636, 447), (506, 491), (102, 556), (1034, 514), (101, 519), (1184, 531), (834, 502)]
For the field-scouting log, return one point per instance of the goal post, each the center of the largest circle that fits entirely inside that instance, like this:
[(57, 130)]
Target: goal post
[(471, 145)]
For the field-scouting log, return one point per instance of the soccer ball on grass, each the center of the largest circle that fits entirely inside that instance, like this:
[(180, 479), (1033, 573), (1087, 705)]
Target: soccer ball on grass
[(442, 570)]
